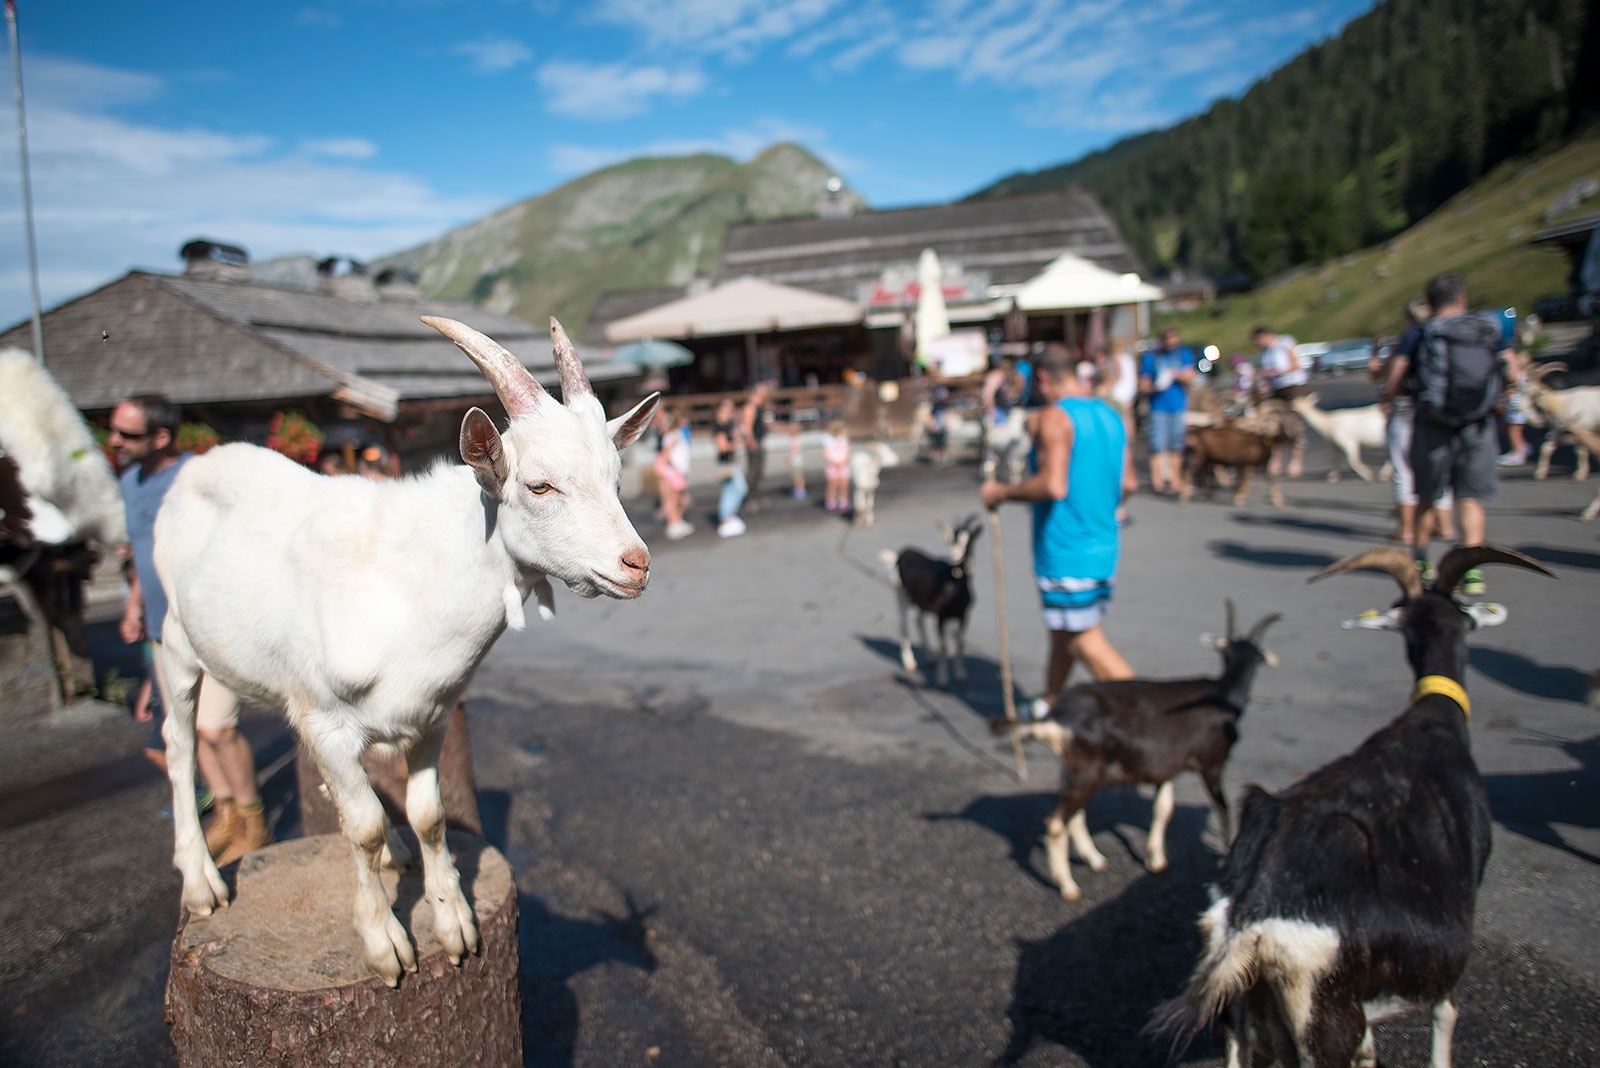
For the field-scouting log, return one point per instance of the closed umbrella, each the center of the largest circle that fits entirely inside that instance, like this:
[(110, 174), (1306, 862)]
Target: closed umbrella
[(650, 352), (933, 321)]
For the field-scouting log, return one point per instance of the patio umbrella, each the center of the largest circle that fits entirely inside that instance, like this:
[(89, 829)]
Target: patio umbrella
[(933, 321), (649, 352)]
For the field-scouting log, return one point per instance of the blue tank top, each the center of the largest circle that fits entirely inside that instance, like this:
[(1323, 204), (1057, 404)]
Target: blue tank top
[(1077, 537)]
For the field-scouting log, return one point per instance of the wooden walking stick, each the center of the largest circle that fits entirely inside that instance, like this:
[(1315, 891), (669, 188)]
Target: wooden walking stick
[(1005, 644)]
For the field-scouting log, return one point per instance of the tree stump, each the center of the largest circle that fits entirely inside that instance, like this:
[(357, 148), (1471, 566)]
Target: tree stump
[(276, 978), (387, 773)]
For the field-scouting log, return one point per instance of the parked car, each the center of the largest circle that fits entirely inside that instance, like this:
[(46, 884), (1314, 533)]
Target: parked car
[(1338, 357)]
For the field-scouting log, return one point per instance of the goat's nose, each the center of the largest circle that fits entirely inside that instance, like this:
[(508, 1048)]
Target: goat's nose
[(636, 563)]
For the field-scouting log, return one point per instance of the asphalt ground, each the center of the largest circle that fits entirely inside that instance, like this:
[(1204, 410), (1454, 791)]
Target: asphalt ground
[(743, 836)]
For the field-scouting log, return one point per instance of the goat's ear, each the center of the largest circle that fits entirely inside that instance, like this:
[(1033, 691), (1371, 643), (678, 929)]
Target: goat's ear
[(625, 429), (482, 449), (1485, 613), (1372, 619), (1211, 641), (1270, 657)]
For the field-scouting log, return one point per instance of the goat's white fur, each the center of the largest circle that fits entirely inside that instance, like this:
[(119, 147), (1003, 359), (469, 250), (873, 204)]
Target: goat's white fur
[(1571, 415), (866, 473), (71, 490), (362, 609), (1005, 447), (1348, 430)]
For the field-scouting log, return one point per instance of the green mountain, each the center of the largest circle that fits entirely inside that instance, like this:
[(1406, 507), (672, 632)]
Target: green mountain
[(636, 225), (1350, 142), (1482, 232)]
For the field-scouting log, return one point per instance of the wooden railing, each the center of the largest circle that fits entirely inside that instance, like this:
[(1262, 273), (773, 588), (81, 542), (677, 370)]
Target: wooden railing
[(870, 409)]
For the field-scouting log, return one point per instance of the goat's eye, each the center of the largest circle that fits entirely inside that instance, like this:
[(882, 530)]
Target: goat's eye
[(539, 489)]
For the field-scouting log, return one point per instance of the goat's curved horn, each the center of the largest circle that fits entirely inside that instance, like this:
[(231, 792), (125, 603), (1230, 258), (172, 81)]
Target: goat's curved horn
[(1230, 631), (1537, 371), (518, 390), (1396, 562), (574, 383), (1457, 560), (1259, 631)]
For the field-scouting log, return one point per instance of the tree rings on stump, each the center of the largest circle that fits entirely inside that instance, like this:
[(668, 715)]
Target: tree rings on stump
[(276, 978)]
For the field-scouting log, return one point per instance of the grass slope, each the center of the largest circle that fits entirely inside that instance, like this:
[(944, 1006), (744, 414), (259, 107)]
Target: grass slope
[(635, 225), (1482, 233)]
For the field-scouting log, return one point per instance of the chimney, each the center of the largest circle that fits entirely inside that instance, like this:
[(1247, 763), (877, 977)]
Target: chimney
[(834, 204), (397, 284), (345, 278), (203, 258)]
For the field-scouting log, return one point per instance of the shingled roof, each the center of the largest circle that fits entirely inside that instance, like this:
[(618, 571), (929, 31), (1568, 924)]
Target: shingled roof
[(1009, 239), (207, 341)]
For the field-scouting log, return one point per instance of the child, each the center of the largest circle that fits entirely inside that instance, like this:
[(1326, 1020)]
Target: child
[(672, 474), (836, 466)]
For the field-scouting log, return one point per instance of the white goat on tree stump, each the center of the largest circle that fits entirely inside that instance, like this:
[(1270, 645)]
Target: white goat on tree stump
[(362, 608)]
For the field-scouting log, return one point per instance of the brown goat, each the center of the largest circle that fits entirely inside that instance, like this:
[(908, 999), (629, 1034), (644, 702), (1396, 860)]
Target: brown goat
[(1245, 445)]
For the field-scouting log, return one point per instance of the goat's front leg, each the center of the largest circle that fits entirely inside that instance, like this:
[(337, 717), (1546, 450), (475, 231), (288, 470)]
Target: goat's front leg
[(1055, 851), (1581, 453), (1241, 493), (908, 659), (203, 888), (386, 948), (1547, 449), (960, 667), (453, 922), (1156, 845), (1213, 781), (1444, 1029), (1367, 1052)]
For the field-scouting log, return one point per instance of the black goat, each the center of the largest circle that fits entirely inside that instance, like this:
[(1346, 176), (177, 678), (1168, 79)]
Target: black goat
[(1349, 896), (938, 588), (1145, 731)]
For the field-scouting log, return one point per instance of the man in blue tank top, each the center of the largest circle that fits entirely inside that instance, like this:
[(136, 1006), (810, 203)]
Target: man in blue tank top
[(1079, 471)]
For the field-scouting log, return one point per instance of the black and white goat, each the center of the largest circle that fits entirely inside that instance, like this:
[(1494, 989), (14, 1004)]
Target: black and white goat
[(1143, 731), (938, 588), (1349, 896)]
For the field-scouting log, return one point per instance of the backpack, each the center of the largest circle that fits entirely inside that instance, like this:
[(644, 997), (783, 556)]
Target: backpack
[(1457, 370)]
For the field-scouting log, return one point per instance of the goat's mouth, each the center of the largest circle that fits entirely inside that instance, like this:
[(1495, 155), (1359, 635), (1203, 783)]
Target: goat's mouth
[(617, 588)]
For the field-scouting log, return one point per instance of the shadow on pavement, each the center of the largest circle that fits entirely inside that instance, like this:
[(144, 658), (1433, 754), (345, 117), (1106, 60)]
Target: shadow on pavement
[(1263, 557), (1311, 526), (554, 949), (1517, 672), (981, 692), (1547, 554), (1531, 803), (1091, 986)]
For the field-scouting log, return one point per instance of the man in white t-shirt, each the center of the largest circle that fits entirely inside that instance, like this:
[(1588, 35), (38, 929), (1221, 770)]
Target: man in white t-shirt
[(1284, 376)]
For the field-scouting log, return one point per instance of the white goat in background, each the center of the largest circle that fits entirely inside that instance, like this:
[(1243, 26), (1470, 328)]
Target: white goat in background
[(71, 490), (1348, 430), (362, 608), (866, 472)]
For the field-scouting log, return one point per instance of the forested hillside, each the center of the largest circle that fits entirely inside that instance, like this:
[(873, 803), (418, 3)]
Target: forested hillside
[(1350, 142)]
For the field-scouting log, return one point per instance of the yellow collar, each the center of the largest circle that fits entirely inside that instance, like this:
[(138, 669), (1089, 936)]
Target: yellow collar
[(1445, 687)]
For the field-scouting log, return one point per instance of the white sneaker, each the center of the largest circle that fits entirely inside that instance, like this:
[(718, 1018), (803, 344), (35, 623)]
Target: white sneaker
[(1512, 458), (1038, 709), (730, 527), (680, 529)]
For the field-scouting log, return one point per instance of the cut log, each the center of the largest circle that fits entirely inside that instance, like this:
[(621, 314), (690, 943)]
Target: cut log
[(276, 978), (387, 773)]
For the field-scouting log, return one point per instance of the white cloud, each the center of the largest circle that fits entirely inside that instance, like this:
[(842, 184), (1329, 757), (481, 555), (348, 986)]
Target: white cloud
[(352, 148), (110, 194), (492, 55), (612, 90)]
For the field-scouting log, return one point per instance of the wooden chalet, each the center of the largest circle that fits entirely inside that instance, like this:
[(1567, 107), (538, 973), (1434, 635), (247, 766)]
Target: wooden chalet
[(351, 353)]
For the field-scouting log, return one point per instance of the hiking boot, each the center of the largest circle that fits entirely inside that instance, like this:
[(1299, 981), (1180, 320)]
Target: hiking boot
[(251, 834), (224, 825), (1425, 571), (1472, 583)]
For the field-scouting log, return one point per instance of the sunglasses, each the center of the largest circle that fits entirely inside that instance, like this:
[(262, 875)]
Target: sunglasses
[(127, 435)]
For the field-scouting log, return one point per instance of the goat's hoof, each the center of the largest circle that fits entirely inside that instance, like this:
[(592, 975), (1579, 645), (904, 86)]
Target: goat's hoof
[(909, 663), (1098, 863), (207, 895), (388, 952), (454, 926), (1071, 893), (1156, 864)]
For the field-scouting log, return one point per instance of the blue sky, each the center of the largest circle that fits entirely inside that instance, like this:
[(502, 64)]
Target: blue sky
[(366, 126)]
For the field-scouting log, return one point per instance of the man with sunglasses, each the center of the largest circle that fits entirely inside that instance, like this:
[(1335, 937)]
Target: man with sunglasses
[(144, 433)]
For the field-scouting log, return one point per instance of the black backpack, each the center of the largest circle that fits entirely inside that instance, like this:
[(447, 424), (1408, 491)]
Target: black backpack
[(1457, 370)]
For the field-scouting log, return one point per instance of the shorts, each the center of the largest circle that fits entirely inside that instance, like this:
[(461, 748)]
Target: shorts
[(1516, 409), (1074, 604), (1166, 431), (1455, 458), (218, 707), (837, 472), (1405, 487)]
